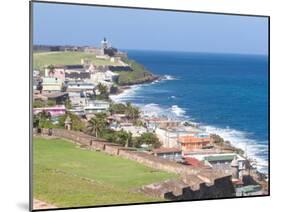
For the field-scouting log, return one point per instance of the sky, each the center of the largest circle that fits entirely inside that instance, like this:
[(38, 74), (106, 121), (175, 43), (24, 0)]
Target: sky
[(60, 24)]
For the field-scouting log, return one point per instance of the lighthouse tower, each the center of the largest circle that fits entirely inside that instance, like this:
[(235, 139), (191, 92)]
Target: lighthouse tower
[(104, 45)]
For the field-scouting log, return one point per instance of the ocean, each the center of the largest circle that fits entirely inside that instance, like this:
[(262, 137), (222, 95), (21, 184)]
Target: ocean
[(226, 94)]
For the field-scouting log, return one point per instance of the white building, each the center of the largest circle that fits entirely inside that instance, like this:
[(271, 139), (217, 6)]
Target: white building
[(96, 106), (52, 84), (107, 76), (169, 137), (80, 86), (129, 128)]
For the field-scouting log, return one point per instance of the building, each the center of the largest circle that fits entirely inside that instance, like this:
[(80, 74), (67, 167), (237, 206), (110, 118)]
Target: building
[(79, 86), (96, 106), (120, 68), (228, 162), (79, 111), (57, 110), (193, 142), (93, 50), (136, 131), (249, 190), (152, 123), (168, 153), (107, 76), (77, 98), (68, 72), (58, 97), (51, 84), (169, 137), (76, 72), (56, 71)]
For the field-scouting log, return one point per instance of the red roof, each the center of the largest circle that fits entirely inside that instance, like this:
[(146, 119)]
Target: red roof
[(193, 162), (166, 150), (193, 139)]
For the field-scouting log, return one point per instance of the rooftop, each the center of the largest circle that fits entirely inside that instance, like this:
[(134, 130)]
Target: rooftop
[(78, 66), (193, 139), (51, 80), (166, 150)]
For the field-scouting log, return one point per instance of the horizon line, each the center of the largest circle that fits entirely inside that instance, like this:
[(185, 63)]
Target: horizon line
[(162, 50)]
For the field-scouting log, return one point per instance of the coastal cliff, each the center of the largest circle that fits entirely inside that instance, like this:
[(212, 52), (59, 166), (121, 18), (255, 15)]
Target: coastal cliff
[(138, 75)]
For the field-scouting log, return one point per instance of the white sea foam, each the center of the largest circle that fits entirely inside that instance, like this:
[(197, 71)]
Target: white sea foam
[(240, 139), (237, 138), (169, 77), (126, 95), (177, 110)]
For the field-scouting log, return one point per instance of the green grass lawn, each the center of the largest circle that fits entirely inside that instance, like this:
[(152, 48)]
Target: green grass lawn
[(68, 176), (42, 59)]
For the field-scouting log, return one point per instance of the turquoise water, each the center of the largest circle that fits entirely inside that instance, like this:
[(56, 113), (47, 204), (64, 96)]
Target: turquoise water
[(227, 94)]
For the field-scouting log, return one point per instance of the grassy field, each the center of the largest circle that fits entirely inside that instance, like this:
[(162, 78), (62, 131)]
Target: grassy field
[(67, 176), (42, 59)]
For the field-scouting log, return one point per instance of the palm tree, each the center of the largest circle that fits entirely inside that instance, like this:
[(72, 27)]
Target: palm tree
[(123, 138), (42, 120), (97, 124), (52, 70), (132, 112), (103, 90)]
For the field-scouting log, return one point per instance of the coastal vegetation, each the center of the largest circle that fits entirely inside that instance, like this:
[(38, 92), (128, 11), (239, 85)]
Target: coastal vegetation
[(139, 74), (97, 124), (67, 176), (76, 122), (149, 139), (226, 145), (103, 93), (132, 112)]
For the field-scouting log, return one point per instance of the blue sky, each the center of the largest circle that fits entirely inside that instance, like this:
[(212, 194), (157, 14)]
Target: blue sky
[(58, 24)]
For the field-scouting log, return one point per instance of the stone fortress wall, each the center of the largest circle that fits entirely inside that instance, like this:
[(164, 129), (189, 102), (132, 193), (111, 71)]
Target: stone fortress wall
[(192, 183)]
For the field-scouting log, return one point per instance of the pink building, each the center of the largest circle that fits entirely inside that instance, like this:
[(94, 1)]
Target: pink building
[(57, 71), (57, 110)]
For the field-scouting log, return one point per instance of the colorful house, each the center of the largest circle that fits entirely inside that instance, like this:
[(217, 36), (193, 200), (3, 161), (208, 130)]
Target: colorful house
[(56, 71), (168, 153), (57, 110), (193, 142)]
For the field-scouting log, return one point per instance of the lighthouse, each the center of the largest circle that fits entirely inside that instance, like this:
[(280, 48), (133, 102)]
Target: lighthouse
[(104, 45)]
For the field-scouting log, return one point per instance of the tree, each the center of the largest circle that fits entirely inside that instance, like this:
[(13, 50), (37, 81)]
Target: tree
[(51, 103), (68, 104), (132, 112), (149, 139), (40, 87), (42, 120), (97, 124), (123, 138), (51, 69), (117, 108), (38, 103), (103, 91), (77, 123)]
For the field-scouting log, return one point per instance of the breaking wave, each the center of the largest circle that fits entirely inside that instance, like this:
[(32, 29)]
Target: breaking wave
[(255, 150), (169, 77)]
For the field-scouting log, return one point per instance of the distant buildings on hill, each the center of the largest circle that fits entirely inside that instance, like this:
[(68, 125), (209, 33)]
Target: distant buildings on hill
[(104, 50)]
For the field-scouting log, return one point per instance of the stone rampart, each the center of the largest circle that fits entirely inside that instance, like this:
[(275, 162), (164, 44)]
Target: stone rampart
[(193, 183)]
